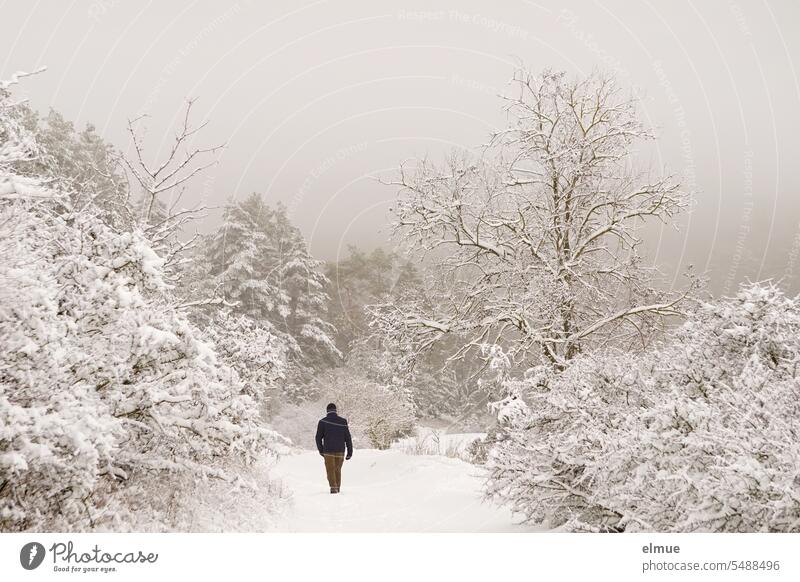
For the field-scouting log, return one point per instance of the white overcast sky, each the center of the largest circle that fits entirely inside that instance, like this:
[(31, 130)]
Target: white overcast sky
[(313, 98)]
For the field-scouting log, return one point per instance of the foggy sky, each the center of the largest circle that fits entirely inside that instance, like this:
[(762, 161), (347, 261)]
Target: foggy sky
[(314, 98)]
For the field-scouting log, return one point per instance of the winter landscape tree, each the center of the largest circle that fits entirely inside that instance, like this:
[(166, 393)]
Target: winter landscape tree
[(259, 263), (363, 279), (607, 422), (162, 185), (537, 237), (81, 164)]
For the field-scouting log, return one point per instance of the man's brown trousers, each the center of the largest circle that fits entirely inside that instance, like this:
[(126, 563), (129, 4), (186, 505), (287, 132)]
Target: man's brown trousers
[(333, 468)]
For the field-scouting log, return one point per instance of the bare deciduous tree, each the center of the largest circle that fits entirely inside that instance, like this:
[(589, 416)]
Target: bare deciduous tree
[(538, 235), (164, 183)]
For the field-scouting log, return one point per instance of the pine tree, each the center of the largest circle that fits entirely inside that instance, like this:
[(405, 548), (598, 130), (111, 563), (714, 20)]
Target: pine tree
[(80, 164), (262, 266)]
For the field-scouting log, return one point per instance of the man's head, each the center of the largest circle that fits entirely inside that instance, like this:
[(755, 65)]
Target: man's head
[(331, 407)]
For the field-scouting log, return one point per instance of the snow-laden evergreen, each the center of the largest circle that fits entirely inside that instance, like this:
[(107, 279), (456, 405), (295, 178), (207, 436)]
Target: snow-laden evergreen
[(259, 263), (702, 434)]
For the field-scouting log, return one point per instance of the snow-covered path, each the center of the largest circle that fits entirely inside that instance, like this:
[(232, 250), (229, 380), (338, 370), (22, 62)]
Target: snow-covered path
[(388, 491)]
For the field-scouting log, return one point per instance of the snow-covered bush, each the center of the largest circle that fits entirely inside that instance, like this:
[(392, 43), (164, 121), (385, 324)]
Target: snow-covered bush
[(181, 502), (439, 442), (703, 434), (298, 421), (477, 451), (253, 350), (103, 383), (115, 411), (553, 433), (107, 395), (377, 415)]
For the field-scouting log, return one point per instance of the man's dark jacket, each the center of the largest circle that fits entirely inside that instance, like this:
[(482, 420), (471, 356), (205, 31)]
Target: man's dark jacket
[(333, 435)]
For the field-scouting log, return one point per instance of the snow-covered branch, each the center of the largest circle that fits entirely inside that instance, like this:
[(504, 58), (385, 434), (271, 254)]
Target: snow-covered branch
[(539, 232)]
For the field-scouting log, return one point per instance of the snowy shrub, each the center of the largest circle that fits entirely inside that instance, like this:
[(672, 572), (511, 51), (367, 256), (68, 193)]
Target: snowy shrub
[(179, 501), (701, 435), (477, 451), (443, 443), (113, 413), (553, 428), (253, 350), (719, 448), (18, 147), (103, 383), (377, 416), (298, 421)]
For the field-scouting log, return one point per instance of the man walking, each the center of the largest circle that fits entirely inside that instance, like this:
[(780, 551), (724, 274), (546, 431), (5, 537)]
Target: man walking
[(333, 436)]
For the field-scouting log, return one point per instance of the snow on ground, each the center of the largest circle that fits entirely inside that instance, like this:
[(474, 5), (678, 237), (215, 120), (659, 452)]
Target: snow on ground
[(431, 441), (388, 491)]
